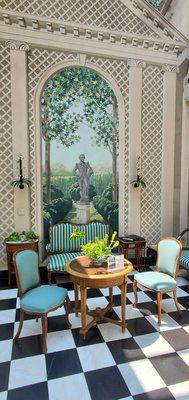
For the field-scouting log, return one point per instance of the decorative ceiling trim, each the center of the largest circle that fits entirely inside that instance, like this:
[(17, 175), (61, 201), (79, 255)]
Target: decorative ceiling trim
[(16, 45)]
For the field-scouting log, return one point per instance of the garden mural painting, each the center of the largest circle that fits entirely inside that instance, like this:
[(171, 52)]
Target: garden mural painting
[(79, 115)]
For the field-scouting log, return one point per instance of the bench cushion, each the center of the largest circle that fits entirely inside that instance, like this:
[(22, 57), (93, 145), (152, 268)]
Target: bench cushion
[(60, 235), (57, 262), (184, 260)]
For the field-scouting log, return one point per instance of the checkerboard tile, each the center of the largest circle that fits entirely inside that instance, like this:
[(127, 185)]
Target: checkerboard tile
[(147, 362)]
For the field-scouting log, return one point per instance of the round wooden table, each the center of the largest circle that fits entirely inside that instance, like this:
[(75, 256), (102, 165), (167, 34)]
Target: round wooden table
[(84, 276)]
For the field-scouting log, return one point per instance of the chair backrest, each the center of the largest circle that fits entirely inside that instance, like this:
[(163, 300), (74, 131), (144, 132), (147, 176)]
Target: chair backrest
[(27, 270), (169, 251), (60, 235)]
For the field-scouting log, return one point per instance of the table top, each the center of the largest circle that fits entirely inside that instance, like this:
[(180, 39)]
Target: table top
[(81, 267)]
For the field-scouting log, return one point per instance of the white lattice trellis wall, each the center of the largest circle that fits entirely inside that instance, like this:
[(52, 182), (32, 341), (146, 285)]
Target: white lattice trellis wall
[(152, 113), (38, 62), (6, 164), (113, 15)]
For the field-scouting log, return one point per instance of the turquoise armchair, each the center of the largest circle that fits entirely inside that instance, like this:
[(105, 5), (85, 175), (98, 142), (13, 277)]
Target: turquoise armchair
[(164, 279), (36, 299)]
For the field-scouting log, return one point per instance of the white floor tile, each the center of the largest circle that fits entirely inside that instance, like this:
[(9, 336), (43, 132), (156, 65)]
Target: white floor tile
[(180, 293), (184, 354), (182, 281), (186, 328), (97, 302), (3, 395), (60, 340), (140, 376), (7, 316), (168, 305), (166, 322), (130, 312), (5, 350), (58, 311), (30, 328), (95, 356), (142, 297), (105, 291), (113, 332), (72, 387), (76, 321), (153, 344), (27, 371), (18, 302), (71, 295), (180, 391), (8, 294), (127, 398)]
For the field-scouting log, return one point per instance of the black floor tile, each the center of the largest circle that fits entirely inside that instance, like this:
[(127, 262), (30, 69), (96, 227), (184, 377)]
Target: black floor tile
[(39, 391), (6, 331), (27, 347), (4, 375), (63, 363), (185, 288), (130, 288), (171, 368), (57, 323), (93, 336), (26, 316), (139, 326), (6, 304), (182, 319), (178, 338), (153, 295), (148, 308), (125, 350), (117, 300), (94, 293), (106, 384), (184, 301), (160, 394)]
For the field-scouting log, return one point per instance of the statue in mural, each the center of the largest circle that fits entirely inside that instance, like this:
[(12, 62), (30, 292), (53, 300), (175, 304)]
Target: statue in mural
[(83, 171)]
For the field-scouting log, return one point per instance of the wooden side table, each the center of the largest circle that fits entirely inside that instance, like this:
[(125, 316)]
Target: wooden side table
[(139, 247), (11, 248), (84, 276)]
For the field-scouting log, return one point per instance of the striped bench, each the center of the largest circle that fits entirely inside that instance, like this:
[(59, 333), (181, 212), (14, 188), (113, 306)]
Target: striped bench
[(61, 249)]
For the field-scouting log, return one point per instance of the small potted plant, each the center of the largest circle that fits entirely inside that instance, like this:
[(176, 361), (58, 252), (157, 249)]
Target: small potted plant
[(98, 250), (25, 236), (138, 182)]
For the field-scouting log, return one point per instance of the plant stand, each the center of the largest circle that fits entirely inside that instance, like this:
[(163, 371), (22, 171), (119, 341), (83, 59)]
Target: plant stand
[(11, 248)]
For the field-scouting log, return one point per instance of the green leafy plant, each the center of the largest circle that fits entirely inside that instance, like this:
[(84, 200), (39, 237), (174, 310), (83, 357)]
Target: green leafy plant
[(100, 248), (21, 237), (76, 234), (138, 182)]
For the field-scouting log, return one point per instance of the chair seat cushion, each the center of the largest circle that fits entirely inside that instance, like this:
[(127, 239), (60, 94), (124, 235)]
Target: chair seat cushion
[(157, 281), (184, 260), (57, 262), (43, 299)]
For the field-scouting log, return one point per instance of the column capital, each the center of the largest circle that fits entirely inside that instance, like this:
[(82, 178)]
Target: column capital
[(170, 68), (16, 45), (132, 62)]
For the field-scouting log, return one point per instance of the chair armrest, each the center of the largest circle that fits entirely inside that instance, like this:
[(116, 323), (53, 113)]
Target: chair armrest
[(182, 233)]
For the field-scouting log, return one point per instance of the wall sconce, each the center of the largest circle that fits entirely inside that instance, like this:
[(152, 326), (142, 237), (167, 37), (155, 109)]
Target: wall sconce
[(22, 181), (138, 182)]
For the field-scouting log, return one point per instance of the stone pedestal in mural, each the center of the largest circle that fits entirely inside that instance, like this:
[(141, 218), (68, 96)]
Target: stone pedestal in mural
[(83, 213)]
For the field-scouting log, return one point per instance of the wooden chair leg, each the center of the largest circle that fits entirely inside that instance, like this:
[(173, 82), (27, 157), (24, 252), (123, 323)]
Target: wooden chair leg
[(111, 297), (135, 293), (44, 333), (159, 301), (67, 309), (176, 302), (20, 324), (76, 293), (49, 277)]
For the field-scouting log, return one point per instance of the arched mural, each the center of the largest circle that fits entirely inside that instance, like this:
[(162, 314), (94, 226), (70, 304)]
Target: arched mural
[(79, 115)]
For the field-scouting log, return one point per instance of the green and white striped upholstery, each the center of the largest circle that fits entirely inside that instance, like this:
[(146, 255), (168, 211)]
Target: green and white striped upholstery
[(59, 261), (60, 236), (184, 260)]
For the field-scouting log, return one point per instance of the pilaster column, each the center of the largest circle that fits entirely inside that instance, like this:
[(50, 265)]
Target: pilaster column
[(135, 112), (168, 142), (19, 100)]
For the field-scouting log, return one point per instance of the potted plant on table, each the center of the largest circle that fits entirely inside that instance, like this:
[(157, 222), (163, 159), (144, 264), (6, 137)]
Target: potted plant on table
[(98, 250), (25, 236)]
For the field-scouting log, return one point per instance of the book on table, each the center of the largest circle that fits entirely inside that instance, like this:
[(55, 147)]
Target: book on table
[(115, 263)]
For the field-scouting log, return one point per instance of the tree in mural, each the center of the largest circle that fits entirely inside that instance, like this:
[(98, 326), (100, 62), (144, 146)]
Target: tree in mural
[(73, 86)]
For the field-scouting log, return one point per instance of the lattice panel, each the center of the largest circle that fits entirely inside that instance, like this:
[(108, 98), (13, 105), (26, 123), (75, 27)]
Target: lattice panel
[(119, 72), (6, 164), (109, 14), (38, 62), (152, 113)]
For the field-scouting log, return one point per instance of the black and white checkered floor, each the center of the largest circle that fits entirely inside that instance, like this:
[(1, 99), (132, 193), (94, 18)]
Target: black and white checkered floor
[(144, 363)]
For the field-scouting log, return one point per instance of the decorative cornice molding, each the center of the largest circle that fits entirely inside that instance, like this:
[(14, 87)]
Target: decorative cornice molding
[(131, 62), (16, 45), (170, 68)]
